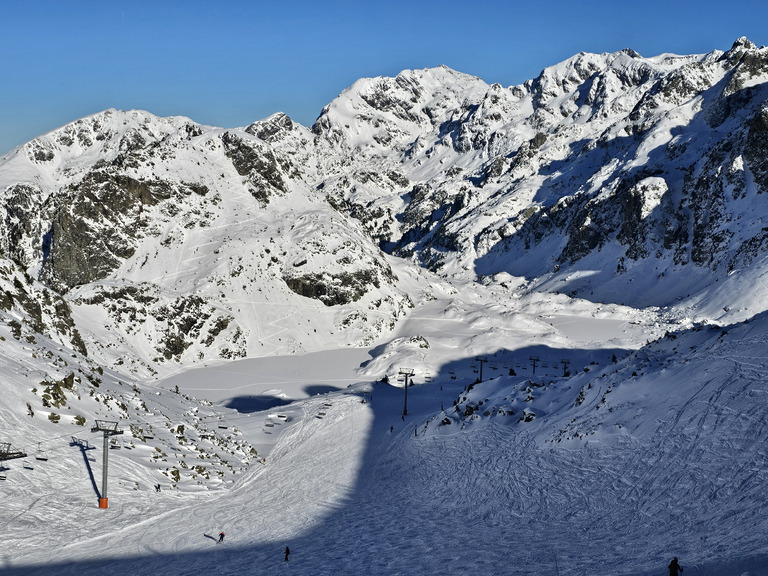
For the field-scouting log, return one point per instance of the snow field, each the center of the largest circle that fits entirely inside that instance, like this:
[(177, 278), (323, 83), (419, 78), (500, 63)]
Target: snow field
[(361, 488)]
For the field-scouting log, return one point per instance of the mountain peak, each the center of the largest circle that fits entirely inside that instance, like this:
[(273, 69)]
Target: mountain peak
[(743, 43), (631, 53)]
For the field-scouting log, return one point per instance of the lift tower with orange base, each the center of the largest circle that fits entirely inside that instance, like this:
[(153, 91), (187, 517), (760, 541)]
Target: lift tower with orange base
[(109, 429)]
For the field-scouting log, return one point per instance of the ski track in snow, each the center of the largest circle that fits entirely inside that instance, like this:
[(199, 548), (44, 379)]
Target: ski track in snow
[(423, 499)]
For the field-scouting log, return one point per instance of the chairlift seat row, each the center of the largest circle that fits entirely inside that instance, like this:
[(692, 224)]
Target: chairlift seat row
[(41, 454)]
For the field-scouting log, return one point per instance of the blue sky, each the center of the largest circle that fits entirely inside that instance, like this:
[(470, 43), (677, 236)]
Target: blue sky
[(228, 63)]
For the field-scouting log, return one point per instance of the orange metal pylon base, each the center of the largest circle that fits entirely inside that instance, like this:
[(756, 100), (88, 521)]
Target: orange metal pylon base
[(103, 503)]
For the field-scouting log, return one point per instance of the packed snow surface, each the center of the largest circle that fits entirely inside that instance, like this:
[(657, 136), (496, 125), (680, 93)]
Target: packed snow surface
[(626, 463)]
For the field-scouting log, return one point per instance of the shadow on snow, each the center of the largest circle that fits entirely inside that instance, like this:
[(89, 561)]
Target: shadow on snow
[(484, 501)]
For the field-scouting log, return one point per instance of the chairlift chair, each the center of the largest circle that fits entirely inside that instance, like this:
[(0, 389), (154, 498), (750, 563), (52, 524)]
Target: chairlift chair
[(146, 431), (41, 454)]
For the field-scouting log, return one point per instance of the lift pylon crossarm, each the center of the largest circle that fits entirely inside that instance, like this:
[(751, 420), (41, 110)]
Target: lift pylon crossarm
[(7, 452), (108, 428)]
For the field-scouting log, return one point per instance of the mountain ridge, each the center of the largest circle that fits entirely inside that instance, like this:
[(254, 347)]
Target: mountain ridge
[(603, 223), (593, 165)]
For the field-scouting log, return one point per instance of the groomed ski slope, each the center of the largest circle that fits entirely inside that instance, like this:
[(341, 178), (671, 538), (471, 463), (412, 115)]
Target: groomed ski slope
[(353, 487)]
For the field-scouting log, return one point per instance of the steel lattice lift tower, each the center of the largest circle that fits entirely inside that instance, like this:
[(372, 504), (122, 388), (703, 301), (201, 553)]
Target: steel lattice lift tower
[(7, 452), (109, 429)]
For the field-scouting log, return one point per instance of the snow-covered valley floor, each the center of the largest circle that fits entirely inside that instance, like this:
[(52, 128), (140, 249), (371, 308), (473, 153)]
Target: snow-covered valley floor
[(663, 455)]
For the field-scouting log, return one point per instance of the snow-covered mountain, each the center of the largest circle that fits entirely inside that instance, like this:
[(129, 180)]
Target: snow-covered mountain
[(612, 177), (594, 239)]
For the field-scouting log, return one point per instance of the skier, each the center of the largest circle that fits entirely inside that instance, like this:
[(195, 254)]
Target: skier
[(674, 567), (221, 537), (287, 551)]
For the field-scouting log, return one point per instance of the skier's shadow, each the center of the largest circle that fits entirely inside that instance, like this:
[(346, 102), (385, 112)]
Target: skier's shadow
[(211, 537)]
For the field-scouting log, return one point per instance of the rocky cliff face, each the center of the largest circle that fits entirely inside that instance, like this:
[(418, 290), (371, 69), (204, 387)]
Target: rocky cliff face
[(675, 182), (190, 242), (631, 166), (610, 176)]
